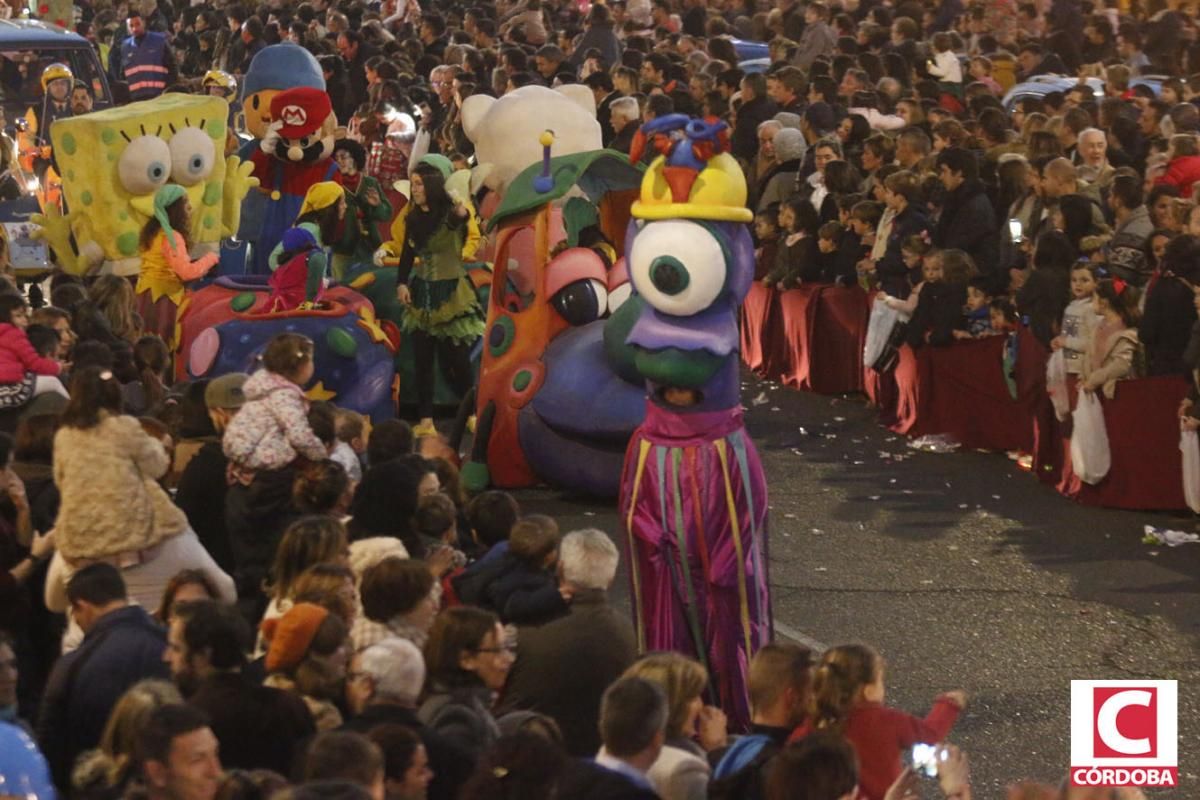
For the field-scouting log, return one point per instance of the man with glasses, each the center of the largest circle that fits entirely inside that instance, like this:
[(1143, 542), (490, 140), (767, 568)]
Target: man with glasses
[(382, 687)]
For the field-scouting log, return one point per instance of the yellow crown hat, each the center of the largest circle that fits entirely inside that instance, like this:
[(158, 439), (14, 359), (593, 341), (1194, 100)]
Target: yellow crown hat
[(717, 192)]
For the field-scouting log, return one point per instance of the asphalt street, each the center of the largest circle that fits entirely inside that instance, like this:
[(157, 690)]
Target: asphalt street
[(964, 572)]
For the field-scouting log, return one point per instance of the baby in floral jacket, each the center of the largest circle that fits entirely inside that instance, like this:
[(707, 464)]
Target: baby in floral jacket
[(271, 430)]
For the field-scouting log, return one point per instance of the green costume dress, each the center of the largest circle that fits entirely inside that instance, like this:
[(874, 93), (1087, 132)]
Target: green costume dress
[(444, 304)]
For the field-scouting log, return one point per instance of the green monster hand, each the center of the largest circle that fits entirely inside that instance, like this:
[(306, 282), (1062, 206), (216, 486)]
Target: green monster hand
[(238, 183)]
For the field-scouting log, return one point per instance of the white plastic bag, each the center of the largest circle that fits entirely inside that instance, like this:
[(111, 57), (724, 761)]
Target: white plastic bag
[(879, 328), (1189, 448), (1090, 457), (1056, 384)]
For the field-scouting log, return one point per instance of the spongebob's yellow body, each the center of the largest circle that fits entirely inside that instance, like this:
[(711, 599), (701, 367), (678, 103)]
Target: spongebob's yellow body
[(113, 161)]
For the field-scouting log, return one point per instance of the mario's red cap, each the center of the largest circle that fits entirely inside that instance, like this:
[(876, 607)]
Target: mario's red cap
[(302, 111)]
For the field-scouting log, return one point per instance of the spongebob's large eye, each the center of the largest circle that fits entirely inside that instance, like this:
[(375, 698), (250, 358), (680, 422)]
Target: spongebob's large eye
[(192, 156), (678, 267), (145, 165)]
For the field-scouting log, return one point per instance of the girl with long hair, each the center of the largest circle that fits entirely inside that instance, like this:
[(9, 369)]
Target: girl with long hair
[(443, 314), (1114, 352), (153, 362), (847, 700)]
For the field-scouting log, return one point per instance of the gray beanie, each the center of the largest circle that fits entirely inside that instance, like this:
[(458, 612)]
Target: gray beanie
[(789, 145), (788, 120)]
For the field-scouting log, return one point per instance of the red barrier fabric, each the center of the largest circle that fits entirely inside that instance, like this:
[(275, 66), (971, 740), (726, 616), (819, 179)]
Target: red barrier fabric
[(912, 380), (1143, 438), (960, 390), (1046, 443), (755, 317), (789, 358), (812, 338), (971, 399), (840, 330)]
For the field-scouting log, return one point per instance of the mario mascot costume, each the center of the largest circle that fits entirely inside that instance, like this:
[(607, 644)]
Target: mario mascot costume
[(294, 155), (276, 68), (693, 497)]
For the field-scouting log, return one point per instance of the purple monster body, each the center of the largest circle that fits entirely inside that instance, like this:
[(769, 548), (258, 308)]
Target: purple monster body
[(693, 495)]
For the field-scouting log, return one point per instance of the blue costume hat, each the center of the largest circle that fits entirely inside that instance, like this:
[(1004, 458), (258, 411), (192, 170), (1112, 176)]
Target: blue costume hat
[(282, 66), (295, 239)]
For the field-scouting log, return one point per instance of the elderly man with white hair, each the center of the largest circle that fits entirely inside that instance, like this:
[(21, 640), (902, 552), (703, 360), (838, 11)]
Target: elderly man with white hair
[(563, 667), (1093, 154), (766, 152), (624, 114), (382, 687)]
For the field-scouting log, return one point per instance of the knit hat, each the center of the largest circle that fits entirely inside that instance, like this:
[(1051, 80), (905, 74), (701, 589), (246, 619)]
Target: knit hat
[(302, 111), (163, 198), (226, 391), (820, 117), (291, 635), (320, 195), (282, 66), (295, 239)]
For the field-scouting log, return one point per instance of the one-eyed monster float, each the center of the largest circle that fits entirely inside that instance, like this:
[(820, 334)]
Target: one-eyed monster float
[(113, 161), (693, 496)]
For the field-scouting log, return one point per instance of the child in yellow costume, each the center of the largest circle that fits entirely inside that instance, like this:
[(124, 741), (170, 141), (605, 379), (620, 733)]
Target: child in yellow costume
[(165, 262)]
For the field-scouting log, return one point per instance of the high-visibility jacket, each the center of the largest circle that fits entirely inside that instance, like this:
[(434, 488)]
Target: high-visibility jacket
[(144, 65)]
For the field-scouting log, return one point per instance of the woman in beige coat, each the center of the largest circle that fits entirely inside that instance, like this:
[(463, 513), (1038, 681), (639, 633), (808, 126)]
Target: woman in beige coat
[(113, 508)]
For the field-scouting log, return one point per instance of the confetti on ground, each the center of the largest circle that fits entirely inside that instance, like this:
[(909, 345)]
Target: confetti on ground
[(760, 400)]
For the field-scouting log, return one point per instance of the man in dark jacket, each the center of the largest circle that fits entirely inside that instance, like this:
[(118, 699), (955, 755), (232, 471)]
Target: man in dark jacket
[(604, 93), (382, 686), (756, 108), (1168, 316), (121, 646), (355, 52), (563, 667), (258, 727), (968, 222), (624, 119), (202, 486)]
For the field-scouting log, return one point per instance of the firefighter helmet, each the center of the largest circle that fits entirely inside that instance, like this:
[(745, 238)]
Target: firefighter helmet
[(56, 72)]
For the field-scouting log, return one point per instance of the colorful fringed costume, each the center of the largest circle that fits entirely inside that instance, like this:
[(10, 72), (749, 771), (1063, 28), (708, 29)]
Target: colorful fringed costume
[(693, 496)]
